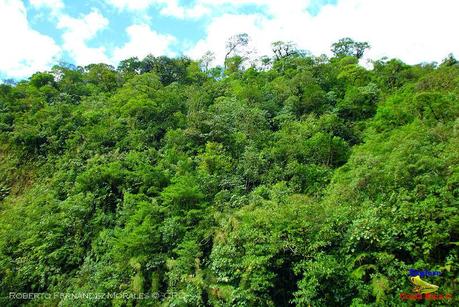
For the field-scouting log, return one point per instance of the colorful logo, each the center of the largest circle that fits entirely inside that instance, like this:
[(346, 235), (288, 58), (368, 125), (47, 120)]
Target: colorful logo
[(422, 290)]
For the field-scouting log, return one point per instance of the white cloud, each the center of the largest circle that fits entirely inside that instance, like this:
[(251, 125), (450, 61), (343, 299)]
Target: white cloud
[(172, 8), (131, 4), (413, 30), (167, 7), (54, 5), (273, 7), (24, 50), (201, 8), (78, 31), (143, 41)]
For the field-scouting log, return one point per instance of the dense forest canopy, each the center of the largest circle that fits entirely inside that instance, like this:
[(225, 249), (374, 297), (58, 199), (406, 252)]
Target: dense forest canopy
[(300, 181)]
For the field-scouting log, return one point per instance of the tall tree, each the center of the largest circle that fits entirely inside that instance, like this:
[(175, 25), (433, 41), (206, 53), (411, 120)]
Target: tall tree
[(234, 45), (348, 47)]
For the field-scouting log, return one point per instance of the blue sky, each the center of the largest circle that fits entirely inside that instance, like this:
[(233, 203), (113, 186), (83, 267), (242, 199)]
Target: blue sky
[(39, 33)]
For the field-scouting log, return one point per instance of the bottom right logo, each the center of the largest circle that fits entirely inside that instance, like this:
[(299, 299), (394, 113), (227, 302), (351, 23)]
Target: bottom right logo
[(422, 289)]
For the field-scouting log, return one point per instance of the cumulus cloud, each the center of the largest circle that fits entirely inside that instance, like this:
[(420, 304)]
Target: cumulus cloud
[(172, 8), (143, 41), (205, 8), (131, 4), (23, 50), (413, 30), (167, 7), (54, 5), (78, 32)]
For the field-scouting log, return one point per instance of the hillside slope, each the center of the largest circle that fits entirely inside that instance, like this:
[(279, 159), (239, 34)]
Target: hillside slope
[(315, 181)]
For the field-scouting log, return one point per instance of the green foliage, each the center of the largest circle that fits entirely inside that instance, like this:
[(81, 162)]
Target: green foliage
[(307, 181), (348, 47)]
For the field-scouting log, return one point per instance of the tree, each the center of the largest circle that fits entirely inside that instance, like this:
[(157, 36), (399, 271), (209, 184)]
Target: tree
[(359, 102), (206, 60), (284, 49), (41, 79), (348, 47), (234, 64), (101, 76), (168, 70), (70, 82), (131, 65), (450, 60), (235, 43), (392, 73)]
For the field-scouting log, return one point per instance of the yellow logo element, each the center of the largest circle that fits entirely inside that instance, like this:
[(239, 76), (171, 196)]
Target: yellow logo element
[(421, 286)]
